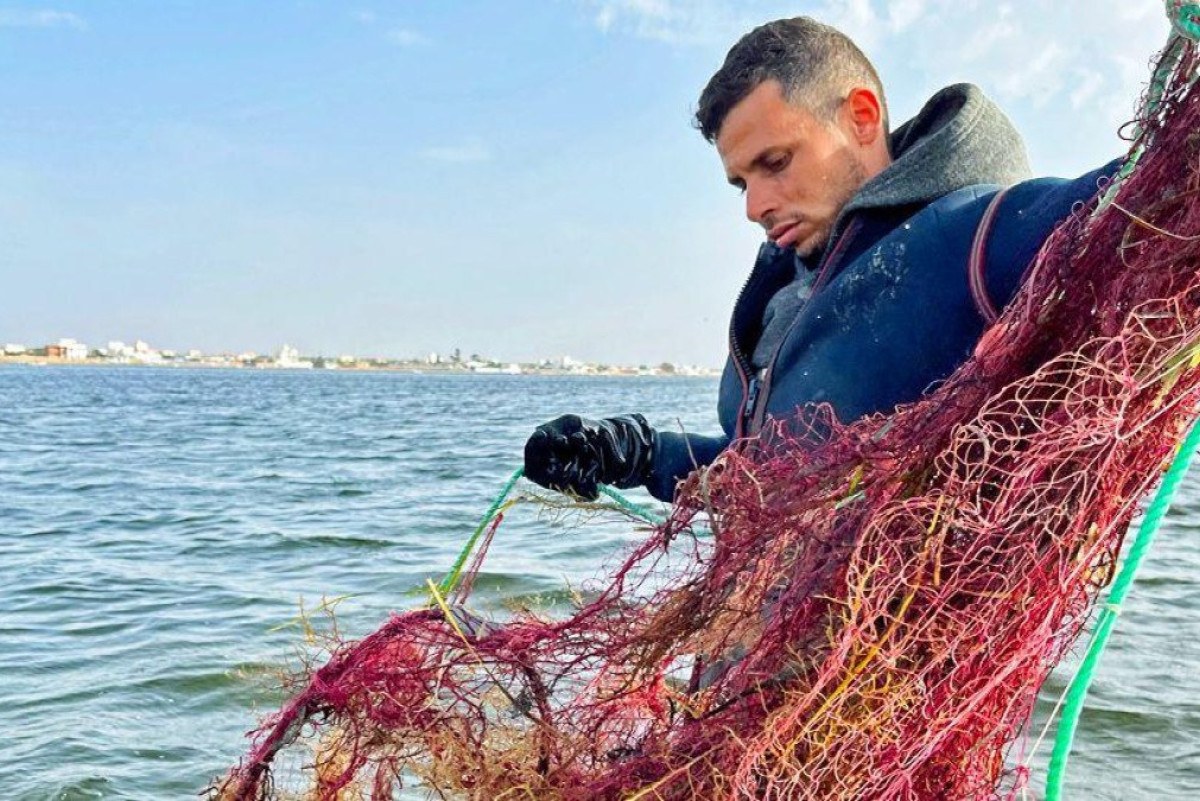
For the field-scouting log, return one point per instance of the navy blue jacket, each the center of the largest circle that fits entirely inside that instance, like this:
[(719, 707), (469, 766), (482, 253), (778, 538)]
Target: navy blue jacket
[(891, 311)]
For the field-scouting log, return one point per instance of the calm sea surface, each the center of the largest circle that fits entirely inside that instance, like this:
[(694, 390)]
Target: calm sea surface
[(160, 528)]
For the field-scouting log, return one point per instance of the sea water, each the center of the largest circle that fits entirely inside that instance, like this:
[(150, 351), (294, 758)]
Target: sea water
[(161, 530)]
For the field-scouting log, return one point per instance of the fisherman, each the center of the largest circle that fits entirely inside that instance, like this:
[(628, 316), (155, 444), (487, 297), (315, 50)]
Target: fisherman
[(888, 253)]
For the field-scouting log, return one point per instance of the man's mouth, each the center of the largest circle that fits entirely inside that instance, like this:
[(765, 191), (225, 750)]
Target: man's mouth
[(785, 235)]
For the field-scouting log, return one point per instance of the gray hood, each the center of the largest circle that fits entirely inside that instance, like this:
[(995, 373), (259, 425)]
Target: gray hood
[(960, 138)]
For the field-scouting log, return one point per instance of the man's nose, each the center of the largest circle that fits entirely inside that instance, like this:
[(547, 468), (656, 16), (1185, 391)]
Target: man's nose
[(760, 205)]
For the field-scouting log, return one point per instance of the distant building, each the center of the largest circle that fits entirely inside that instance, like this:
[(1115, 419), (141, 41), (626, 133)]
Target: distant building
[(120, 353), (13, 349), (145, 354), (289, 357), (575, 366), (486, 368), (67, 349)]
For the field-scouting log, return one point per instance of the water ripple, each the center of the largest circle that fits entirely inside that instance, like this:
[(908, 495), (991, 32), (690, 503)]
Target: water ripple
[(164, 529)]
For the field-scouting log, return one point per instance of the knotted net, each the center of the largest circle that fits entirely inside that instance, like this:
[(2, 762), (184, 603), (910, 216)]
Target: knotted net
[(873, 615)]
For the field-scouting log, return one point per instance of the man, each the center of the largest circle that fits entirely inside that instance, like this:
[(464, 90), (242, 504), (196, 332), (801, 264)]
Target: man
[(888, 254)]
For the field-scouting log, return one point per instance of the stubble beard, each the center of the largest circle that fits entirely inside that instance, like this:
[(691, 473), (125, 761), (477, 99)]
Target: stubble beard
[(852, 176)]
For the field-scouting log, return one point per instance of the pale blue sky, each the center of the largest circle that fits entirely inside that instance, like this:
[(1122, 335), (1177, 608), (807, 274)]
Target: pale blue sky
[(514, 178)]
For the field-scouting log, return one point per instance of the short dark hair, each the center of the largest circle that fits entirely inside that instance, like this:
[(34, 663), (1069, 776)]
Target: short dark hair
[(816, 65)]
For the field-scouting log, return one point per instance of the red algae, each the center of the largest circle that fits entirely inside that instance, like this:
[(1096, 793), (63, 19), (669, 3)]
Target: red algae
[(880, 602)]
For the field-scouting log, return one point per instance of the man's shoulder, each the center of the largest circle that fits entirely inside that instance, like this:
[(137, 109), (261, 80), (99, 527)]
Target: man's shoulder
[(965, 201), (1033, 201), (949, 216)]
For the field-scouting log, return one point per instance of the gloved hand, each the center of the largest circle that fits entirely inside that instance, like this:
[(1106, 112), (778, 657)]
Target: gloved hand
[(575, 454)]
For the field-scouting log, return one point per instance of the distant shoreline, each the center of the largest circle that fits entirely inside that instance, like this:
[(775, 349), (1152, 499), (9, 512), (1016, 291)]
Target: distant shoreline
[(414, 368)]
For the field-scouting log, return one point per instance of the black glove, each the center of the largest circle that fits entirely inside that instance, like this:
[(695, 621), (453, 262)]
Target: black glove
[(575, 454)]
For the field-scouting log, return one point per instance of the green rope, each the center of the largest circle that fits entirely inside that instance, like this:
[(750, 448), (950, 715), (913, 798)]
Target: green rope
[(1172, 53), (452, 579), (1185, 17), (635, 509), (1078, 690)]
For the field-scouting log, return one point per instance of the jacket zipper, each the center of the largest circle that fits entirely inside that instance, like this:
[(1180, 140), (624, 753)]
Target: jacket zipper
[(742, 364), (751, 400), (752, 418)]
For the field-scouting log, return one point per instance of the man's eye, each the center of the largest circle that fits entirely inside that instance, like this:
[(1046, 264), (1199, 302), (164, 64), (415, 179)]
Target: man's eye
[(778, 164)]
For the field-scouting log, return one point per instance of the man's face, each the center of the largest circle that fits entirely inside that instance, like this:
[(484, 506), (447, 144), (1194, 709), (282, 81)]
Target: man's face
[(796, 170)]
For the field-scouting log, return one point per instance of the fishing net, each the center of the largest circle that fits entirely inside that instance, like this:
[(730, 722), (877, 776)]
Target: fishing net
[(877, 603)]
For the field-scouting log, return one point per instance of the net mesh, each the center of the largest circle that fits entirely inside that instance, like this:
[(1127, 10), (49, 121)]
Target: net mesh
[(879, 602)]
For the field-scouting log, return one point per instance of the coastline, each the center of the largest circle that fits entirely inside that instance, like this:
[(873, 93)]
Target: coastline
[(412, 368)]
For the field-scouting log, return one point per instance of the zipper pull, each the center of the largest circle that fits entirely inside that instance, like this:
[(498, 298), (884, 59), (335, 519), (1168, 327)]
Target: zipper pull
[(751, 401)]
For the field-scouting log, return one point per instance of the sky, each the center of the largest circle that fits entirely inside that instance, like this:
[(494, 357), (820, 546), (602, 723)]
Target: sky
[(514, 178)]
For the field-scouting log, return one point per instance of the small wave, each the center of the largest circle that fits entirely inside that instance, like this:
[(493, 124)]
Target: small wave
[(331, 541)]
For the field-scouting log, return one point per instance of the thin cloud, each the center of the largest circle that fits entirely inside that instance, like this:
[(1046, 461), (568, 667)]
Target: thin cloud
[(715, 22), (404, 37), (903, 14), (669, 21), (1050, 66), (397, 35), (1088, 84), (1008, 31), (466, 153), (43, 18)]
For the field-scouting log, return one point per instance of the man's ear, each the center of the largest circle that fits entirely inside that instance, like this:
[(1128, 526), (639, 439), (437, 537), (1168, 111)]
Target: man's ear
[(864, 114)]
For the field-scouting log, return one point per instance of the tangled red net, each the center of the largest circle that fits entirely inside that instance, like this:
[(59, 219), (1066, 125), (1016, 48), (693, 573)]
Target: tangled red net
[(873, 615)]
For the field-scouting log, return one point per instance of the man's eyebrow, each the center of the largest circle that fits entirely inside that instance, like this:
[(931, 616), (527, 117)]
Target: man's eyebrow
[(759, 162)]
